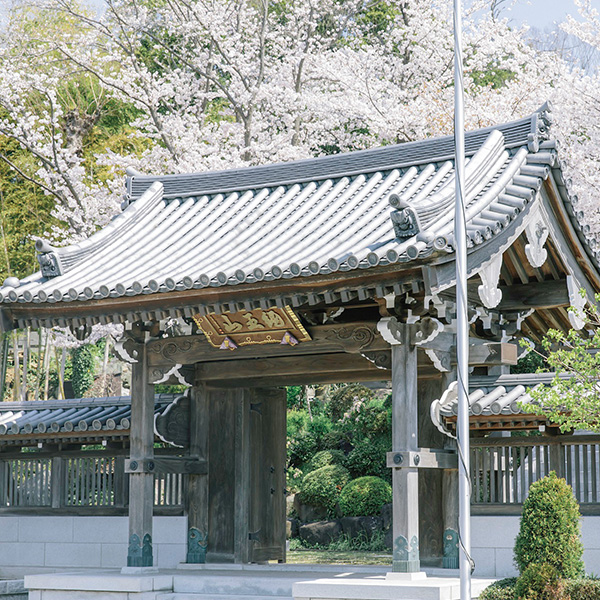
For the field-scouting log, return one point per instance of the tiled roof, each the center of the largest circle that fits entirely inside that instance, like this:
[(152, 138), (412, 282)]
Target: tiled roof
[(296, 220), (506, 396), (53, 417)]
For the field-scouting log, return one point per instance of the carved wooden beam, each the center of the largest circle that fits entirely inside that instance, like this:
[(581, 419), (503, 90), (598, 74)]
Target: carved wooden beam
[(352, 338)]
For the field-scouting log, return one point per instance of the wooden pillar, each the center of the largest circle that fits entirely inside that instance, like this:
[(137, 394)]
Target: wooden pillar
[(405, 480), (450, 500), (197, 488), (141, 464)]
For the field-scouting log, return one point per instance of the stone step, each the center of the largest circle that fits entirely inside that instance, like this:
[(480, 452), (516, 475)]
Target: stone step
[(184, 596), (240, 584)]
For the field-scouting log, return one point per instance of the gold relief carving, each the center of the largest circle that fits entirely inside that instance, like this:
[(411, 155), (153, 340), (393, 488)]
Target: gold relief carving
[(247, 327)]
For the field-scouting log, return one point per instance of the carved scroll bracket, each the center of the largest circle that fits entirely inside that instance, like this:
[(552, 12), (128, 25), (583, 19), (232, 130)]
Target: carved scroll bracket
[(421, 332), (537, 234), (489, 292), (440, 359), (381, 359), (183, 374), (127, 350), (578, 301)]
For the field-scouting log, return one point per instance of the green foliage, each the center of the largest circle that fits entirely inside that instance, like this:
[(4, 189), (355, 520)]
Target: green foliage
[(364, 497), (83, 370), (538, 582), (164, 388), (375, 542), (296, 397), (323, 487), (325, 458), (343, 398), (368, 458), (532, 362), (582, 589), (500, 590), (549, 531), (305, 436), (572, 402)]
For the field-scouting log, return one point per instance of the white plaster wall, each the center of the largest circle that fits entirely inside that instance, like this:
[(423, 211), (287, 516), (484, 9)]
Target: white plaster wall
[(493, 540), (30, 544)]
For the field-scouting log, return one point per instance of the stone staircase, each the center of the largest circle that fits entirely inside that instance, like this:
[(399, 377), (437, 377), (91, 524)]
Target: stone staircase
[(247, 583)]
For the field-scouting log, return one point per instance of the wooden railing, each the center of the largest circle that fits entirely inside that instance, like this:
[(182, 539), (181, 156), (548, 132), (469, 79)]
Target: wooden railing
[(503, 469), (85, 482)]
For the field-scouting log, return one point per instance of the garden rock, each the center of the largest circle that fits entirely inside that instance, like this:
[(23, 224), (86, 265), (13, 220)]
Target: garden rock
[(321, 533), (386, 515), (292, 527), (307, 513), (356, 527), (388, 538)]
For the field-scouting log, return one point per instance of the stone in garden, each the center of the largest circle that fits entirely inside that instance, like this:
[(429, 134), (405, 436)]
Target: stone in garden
[(321, 533)]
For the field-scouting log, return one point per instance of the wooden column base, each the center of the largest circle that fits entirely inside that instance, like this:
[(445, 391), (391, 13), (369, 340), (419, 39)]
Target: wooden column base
[(405, 552)]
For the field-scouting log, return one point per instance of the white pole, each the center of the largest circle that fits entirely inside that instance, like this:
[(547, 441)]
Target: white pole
[(462, 334)]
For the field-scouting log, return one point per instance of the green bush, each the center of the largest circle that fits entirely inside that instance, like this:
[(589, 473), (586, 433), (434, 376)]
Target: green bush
[(364, 497), (582, 589), (500, 590), (83, 370), (367, 458), (538, 582), (305, 436), (323, 487), (549, 531), (325, 458)]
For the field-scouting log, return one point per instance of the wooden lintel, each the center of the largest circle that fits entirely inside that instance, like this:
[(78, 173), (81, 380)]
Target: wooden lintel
[(282, 366), (350, 337), (166, 464)]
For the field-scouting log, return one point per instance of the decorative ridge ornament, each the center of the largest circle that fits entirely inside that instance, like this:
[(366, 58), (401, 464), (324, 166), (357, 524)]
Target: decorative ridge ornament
[(404, 219), (49, 259)]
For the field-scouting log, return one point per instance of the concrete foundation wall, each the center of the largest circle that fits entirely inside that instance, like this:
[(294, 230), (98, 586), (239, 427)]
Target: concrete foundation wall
[(493, 540), (30, 544)]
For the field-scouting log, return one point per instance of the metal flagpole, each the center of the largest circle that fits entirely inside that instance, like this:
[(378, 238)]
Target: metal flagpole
[(462, 334)]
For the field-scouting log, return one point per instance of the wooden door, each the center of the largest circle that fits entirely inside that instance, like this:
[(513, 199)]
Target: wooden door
[(267, 474)]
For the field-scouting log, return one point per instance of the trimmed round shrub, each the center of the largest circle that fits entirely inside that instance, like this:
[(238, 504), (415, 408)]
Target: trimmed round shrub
[(325, 458), (549, 531), (323, 487), (500, 590), (364, 497), (538, 582)]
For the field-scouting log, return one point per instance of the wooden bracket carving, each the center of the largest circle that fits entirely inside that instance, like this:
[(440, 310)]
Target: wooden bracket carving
[(173, 425), (440, 359), (355, 339), (578, 302), (537, 234), (421, 333), (425, 331), (127, 350), (489, 292), (183, 374), (381, 359)]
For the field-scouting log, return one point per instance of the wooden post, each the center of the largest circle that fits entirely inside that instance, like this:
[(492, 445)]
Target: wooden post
[(405, 480), (141, 484), (557, 459), (57, 482), (197, 485)]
